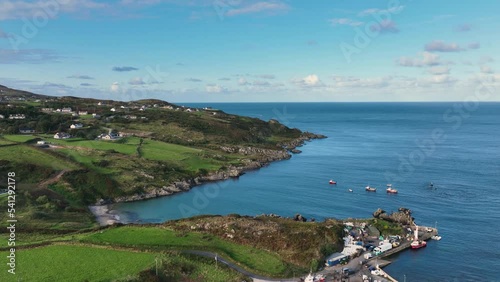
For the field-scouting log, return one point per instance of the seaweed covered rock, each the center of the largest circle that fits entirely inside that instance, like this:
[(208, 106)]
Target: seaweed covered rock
[(402, 216)]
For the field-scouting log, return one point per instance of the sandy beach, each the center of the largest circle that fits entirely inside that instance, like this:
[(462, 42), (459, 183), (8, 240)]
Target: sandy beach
[(104, 215)]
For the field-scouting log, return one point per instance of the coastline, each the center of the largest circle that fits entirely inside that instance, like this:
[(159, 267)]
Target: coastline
[(104, 214)]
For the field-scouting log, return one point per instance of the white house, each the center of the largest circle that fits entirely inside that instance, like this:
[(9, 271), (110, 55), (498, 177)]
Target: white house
[(113, 109), (82, 113), (66, 110), (2, 116), (62, 135), (111, 136), (17, 116), (41, 142), (76, 125), (26, 131)]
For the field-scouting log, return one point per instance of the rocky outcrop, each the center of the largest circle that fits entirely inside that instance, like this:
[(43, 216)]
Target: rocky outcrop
[(299, 217), (402, 216), (298, 142)]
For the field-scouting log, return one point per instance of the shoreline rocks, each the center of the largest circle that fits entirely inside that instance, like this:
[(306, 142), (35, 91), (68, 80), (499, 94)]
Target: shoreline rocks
[(402, 216), (101, 208)]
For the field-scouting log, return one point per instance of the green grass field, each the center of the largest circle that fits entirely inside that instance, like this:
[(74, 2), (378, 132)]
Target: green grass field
[(6, 142), (160, 238), (127, 148), (18, 137), (76, 263), (27, 154)]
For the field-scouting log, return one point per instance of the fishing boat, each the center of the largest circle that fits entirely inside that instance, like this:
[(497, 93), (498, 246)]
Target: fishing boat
[(332, 182), (391, 190), (371, 189), (417, 244)]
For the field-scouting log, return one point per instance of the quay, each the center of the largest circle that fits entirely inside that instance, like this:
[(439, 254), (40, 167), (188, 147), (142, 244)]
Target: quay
[(359, 268)]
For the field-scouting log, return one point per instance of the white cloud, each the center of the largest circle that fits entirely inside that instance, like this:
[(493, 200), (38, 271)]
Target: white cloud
[(311, 80), (243, 82), (486, 69), (19, 9), (215, 88), (486, 59), (437, 70), (357, 82), (136, 81), (385, 26), (345, 21), (259, 7), (426, 59), (115, 87), (440, 78), (372, 11), (441, 46)]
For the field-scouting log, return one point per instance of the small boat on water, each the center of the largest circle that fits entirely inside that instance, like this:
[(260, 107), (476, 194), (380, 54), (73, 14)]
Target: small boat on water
[(436, 237), (417, 243), (391, 190), (332, 182), (350, 190), (371, 189)]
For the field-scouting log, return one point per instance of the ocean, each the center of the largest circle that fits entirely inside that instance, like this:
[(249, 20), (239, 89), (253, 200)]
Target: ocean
[(456, 146)]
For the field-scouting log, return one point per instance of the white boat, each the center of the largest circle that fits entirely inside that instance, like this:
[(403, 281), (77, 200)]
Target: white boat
[(436, 237), (370, 189), (350, 190)]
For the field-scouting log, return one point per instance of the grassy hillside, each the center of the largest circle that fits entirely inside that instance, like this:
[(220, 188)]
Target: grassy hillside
[(136, 150), (272, 247), (154, 146), (77, 263)]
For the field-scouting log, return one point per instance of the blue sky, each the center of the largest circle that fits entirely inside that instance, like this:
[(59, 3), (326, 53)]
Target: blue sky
[(238, 50)]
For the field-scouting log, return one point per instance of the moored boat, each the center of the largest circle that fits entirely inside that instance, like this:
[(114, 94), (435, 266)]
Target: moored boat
[(332, 182), (391, 190), (350, 190), (371, 189), (417, 243), (436, 237)]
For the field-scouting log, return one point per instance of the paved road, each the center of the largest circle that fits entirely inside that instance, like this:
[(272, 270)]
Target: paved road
[(255, 277)]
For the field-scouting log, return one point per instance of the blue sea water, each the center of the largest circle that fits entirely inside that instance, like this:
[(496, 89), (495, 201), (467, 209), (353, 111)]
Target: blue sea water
[(454, 145)]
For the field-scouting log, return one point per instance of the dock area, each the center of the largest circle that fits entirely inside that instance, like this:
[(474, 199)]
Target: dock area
[(367, 270)]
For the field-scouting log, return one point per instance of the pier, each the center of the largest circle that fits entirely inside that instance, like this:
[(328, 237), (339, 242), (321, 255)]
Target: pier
[(359, 266), (407, 244)]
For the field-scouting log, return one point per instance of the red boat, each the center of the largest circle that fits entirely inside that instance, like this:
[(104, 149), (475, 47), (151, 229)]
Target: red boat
[(332, 182), (391, 190), (417, 244)]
